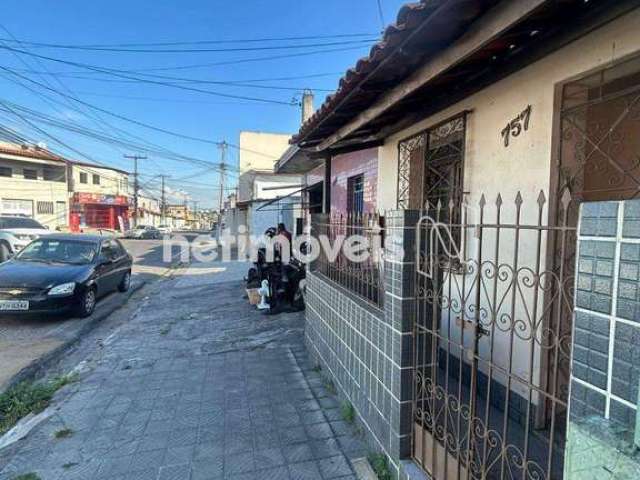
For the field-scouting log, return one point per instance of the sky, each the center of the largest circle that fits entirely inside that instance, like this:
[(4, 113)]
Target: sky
[(85, 87)]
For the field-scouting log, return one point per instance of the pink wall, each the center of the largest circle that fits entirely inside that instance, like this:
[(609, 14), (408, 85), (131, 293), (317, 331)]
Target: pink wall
[(350, 164)]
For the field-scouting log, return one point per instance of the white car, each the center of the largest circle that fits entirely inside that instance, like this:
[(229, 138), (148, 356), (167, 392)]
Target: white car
[(16, 233), (165, 229), (144, 232)]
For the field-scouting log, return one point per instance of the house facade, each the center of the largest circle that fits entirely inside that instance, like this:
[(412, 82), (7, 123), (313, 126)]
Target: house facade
[(99, 197), (33, 183), (500, 149)]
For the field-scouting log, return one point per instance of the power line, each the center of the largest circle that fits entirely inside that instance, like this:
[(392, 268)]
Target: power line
[(118, 73), (381, 15), (71, 74), (95, 118), (226, 41), (240, 61), (121, 117), (193, 50)]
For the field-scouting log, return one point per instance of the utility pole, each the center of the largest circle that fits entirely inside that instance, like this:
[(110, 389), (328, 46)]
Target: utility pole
[(223, 156), (163, 201), (136, 185)]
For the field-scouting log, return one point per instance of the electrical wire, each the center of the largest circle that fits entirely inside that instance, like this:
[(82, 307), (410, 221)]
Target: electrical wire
[(117, 73), (195, 50), (227, 41)]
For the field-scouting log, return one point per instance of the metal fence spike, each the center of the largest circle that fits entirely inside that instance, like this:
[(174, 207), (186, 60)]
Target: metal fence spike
[(519, 199), (566, 198), (483, 201), (541, 198), (499, 201)]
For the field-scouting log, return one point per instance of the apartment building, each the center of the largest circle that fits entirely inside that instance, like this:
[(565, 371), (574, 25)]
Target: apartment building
[(33, 183)]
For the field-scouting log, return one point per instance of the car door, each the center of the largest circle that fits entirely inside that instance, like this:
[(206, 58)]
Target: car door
[(122, 262), (106, 268)]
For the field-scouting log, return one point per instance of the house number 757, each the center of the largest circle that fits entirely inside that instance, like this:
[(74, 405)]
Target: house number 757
[(516, 126)]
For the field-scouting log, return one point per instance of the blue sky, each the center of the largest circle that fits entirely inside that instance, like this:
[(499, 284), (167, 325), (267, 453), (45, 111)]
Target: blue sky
[(79, 22)]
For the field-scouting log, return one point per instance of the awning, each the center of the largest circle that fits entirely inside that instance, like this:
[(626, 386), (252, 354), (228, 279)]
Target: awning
[(277, 200)]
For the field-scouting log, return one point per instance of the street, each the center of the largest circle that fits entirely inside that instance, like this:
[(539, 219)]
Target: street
[(190, 382), (25, 341)]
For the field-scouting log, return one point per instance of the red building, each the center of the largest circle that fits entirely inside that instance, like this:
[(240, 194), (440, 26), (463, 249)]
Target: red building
[(93, 210)]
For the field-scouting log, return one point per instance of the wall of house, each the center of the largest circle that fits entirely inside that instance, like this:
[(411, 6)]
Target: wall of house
[(261, 150), (112, 182), (22, 196), (347, 165), (524, 166)]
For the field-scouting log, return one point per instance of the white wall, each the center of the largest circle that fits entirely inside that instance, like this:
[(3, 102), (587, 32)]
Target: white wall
[(261, 150), (524, 166), (112, 182), (17, 190)]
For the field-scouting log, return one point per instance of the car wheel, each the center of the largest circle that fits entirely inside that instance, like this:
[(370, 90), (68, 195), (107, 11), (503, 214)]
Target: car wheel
[(5, 253), (125, 284), (87, 303)]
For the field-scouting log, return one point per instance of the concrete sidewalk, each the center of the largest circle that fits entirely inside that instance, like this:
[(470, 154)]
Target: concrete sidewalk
[(197, 385)]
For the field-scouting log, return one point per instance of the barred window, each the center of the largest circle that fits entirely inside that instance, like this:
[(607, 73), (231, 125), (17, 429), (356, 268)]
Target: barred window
[(84, 178), (96, 179), (45, 208), (355, 194)]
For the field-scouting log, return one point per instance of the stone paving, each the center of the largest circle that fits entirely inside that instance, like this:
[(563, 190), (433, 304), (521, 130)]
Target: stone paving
[(196, 385)]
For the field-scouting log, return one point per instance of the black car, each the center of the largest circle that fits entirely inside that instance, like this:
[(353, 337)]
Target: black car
[(63, 272)]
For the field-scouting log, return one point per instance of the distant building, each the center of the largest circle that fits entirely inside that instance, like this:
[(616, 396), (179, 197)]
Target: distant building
[(149, 211), (33, 183), (99, 197)]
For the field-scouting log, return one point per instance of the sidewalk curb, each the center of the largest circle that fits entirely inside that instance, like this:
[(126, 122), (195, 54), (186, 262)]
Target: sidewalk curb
[(30, 372)]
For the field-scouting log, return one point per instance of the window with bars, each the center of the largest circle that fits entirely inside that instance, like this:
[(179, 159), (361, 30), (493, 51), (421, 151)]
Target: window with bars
[(355, 194), (96, 179), (6, 172), (84, 178), (45, 208)]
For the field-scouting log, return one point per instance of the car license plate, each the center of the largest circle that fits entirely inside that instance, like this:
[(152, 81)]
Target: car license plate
[(9, 305)]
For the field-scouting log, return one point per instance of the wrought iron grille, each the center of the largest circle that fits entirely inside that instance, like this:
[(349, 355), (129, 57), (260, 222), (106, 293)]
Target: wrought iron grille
[(363, 278), (487, 404)]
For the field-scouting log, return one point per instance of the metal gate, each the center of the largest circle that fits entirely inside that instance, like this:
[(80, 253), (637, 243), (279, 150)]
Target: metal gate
[(491, 315)]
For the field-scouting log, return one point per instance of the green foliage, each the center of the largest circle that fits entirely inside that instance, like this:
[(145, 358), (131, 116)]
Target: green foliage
[(330, 386), (27, 476), (64, 433), (380, 465), (26, 398), (317, 368), (348, 412)]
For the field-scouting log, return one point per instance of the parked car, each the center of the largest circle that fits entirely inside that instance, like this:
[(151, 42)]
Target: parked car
[(61, 272), (165, 229), (16, 233), (144, 232)]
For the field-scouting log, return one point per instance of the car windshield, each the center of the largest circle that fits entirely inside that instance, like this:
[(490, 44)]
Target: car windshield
[(19, 222), (58, 251)]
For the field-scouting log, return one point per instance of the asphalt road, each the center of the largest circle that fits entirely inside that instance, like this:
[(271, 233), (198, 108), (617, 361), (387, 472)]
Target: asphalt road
[(24, 340)]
